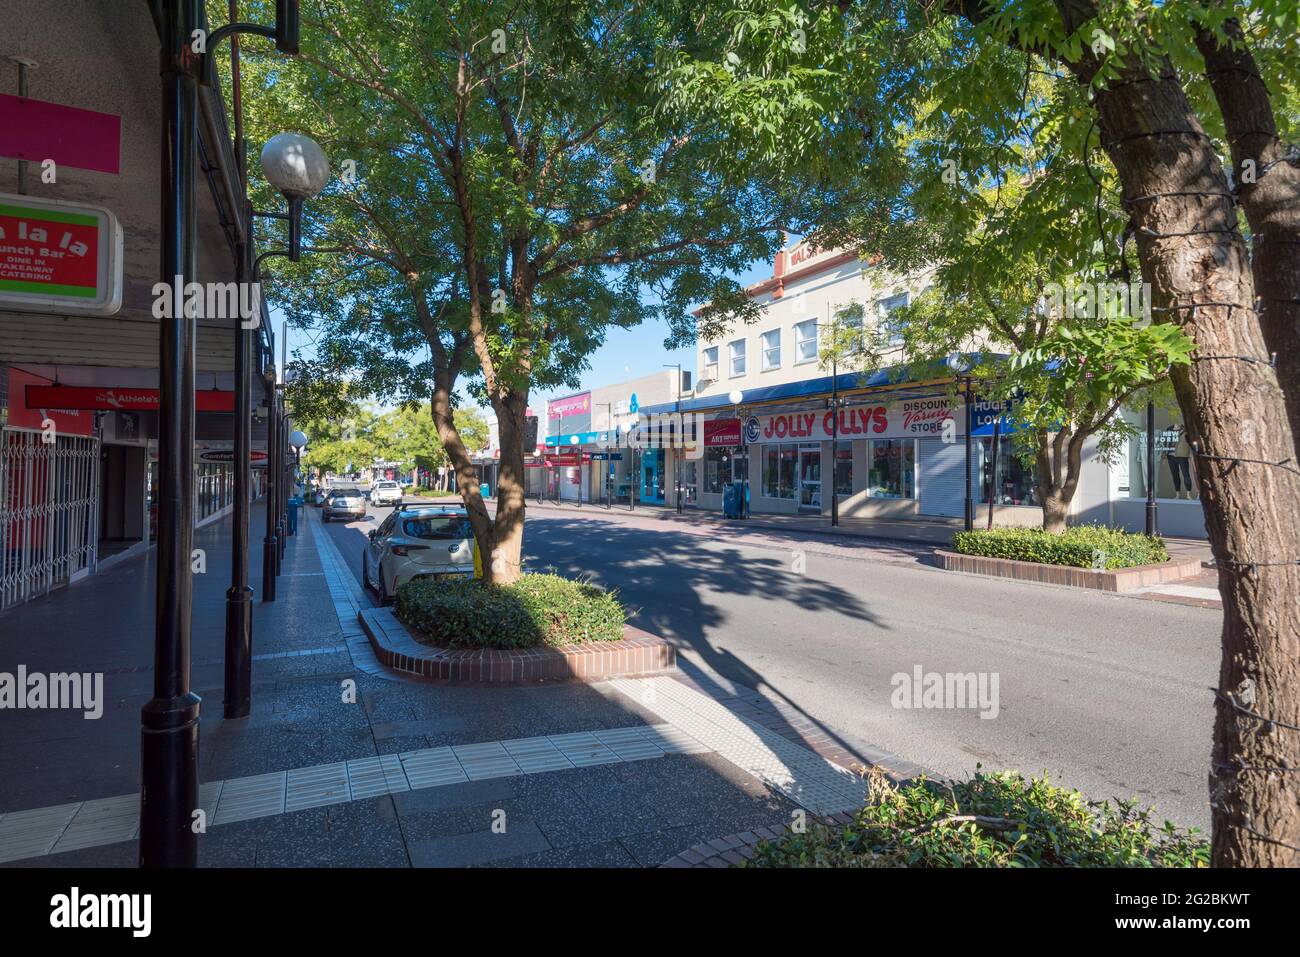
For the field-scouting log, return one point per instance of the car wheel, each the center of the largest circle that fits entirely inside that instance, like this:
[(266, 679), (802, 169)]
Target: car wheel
[(365, 569), (384, 597), (325, 517)]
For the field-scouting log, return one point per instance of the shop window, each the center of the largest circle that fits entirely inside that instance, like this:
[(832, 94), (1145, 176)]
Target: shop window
[(710, 363), (844, 471), (771, 349), (736, 355), (892, 472), (1175, 475), (805, 341), (1016, 483), (717, 462), (779, 470), (689, 482)]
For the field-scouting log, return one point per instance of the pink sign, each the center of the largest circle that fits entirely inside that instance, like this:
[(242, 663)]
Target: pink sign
[(573, 405), (35, 130)]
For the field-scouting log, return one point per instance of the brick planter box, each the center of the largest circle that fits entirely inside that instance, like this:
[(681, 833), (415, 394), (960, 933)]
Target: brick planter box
[(638, 653), (734, 850), (1115, 579)]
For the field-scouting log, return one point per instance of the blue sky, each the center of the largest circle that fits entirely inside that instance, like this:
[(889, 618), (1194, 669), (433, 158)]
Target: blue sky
[(626, 354)]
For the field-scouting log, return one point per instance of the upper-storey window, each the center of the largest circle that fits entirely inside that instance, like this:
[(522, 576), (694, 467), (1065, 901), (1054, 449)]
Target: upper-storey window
[(771, 349), (710, 364), (736, 356), (805, 341)]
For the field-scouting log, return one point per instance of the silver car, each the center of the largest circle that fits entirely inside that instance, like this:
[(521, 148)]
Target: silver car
[(344, 503), (419, 542)]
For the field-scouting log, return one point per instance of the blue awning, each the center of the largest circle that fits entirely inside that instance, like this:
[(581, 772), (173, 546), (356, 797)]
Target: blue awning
[(896, 376)]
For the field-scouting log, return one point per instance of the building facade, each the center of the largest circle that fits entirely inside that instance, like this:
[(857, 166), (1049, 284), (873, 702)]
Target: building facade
[(78, 385), (898, 448)]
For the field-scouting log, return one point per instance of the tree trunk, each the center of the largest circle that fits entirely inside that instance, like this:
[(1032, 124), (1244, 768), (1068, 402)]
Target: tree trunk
[(1268, 187), (508, 529), (1058, 460), (1193, 254), (466, 476)]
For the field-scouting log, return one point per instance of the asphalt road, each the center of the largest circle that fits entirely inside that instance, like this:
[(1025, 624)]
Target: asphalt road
[(1105, 693)]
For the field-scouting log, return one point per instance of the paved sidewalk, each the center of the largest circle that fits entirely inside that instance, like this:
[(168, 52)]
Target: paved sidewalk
[(341, 764)]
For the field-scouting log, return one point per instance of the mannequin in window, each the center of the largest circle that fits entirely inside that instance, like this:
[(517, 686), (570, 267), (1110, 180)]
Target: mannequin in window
[(1179, 458)]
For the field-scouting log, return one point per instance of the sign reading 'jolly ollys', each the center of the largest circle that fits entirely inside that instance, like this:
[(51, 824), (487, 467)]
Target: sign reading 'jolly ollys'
[(59, 257)]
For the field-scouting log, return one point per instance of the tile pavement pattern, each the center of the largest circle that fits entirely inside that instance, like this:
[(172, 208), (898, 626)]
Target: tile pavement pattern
[(805, 777), (348, 598), (69, 827), (639, 653)]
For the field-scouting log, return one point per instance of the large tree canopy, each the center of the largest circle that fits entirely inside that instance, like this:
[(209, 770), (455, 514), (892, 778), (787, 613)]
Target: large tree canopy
[(507, 192)]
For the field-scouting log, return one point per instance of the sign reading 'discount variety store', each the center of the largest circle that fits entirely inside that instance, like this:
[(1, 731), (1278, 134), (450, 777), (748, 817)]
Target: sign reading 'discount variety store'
[(911, 418)]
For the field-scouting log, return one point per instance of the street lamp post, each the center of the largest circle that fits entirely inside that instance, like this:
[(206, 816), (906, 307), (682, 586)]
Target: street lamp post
[(970, 420), (681, 439), (736, 397), (1153, 525), (633, 478), (169, 744), (835, 439)]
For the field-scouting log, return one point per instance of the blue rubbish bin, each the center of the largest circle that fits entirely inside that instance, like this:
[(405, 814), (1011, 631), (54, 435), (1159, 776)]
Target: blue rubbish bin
[(730, 499), (484, 490), (294, 503)]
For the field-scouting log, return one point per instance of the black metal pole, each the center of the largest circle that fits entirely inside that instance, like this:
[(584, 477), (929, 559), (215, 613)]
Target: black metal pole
[(1153, 525), (239, 598), (169, 749), (970, 419), (281, 531), (993, 467), (270, 544), (835, 440)]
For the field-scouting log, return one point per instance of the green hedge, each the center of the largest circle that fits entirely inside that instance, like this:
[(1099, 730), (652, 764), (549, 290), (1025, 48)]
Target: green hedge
[(992, 820), (536, 610), (1081, 546), (427, 492)]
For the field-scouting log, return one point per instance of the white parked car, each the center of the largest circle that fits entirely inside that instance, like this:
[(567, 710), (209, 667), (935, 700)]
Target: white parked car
[(427, 541), (386, 493)]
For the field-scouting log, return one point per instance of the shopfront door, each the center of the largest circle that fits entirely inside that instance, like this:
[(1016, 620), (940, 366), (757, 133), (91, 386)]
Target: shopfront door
[(810, 479), (652, 489)]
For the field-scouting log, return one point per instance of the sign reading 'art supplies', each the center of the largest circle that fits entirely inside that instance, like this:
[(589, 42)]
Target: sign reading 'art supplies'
[(59, 257)]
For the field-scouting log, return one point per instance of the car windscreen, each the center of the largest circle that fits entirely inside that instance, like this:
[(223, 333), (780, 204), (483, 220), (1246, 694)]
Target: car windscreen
[(444, 527)]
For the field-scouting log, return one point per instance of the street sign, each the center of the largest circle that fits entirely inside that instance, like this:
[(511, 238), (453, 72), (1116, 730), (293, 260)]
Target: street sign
[(121, 400), (59, 257), (39, 131)]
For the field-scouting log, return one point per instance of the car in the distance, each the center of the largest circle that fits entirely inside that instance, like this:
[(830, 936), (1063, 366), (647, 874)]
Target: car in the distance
[(423, 541), (320, 497), (386, 493), (344, 503)]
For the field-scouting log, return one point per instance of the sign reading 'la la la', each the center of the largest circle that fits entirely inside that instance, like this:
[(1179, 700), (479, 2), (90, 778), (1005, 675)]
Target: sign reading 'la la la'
[(59, 257)]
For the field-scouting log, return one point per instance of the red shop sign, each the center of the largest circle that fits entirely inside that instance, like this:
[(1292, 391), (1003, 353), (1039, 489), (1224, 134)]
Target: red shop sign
[(721, 432), (120, 400)]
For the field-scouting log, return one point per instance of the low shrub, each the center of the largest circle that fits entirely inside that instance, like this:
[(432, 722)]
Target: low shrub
[(423, 492), (536, 610), (991, 820), (1080, 546)]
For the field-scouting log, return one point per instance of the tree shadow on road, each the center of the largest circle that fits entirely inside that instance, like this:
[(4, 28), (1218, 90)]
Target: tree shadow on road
[(668, 580)]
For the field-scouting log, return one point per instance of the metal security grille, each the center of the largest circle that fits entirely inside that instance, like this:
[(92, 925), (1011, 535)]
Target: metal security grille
[(49, 510)]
